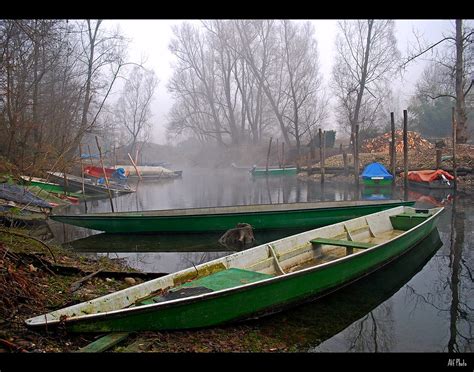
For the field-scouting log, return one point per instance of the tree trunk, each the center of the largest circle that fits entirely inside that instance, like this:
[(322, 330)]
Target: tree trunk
[(87, 95), (461, 117), (360, 93)]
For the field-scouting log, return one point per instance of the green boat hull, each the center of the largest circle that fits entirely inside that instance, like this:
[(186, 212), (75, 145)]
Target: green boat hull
[(146, 222), (274, 172), (259, 299), (48, 187), (54, 188), (377, 182)]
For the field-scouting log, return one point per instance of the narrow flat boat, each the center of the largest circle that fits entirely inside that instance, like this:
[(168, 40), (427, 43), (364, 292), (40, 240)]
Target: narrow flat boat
[(220, 219), (73, 183), (272, 171), (254, 282)]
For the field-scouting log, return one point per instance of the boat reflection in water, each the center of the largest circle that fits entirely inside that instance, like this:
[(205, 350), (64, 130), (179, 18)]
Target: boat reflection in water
[(203, 242), (377, 193), (160, 253), (310, 325), (438, 198)]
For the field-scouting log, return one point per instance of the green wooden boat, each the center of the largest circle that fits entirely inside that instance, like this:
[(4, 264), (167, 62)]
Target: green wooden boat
[(218, 219), (51, 187), (274, 171), (254, 282)]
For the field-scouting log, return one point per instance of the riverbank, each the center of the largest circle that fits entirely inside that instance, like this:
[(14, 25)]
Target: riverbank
[(36, 278), (425, 159)]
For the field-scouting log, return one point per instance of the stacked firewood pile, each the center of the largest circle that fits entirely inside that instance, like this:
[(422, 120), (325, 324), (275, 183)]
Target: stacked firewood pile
[(382, 143)]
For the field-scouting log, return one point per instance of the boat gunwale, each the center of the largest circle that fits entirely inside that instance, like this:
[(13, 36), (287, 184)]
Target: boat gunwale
[(243, 287), (90, 183), (241, 209)]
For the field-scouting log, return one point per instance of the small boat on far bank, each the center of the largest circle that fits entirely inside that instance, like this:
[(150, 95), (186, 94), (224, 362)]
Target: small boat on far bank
[(114, 174), (273, 171), (255, 282), (376, 175), (431, 179), (150, 172), (74, 183)]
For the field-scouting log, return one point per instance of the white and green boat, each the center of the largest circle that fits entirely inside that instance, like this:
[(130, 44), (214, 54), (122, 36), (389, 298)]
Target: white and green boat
[(254, 282)]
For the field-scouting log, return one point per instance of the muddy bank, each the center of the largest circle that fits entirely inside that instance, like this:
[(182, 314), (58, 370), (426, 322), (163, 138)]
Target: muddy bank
[(31, 284)]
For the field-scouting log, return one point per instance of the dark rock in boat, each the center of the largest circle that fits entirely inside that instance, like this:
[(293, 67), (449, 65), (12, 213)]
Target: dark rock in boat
[(242, 236)]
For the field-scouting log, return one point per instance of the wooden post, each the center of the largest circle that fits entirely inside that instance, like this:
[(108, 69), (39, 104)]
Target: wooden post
[(82, 174), (393, 148), (344, 159), (438, 158), (356, 156), (105, 174), (278, 154), (283, 154), (405, 152), (135, 166), (321, 167), (268, 154), (454, 149)]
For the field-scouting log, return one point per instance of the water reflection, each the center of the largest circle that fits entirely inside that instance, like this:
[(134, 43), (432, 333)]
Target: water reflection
[(423, 302), (433, 311), (310, 325)]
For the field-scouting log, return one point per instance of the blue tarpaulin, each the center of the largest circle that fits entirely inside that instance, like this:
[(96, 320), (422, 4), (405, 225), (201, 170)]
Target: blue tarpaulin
[(376, 170), (89, 156), (20, 194)]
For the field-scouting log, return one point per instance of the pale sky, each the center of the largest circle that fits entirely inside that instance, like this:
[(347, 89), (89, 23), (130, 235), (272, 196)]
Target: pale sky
[(150, 40)]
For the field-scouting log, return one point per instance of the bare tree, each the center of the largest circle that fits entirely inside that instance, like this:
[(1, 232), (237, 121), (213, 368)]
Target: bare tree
[(194, 57), (133, 111), (301, 79), (366, 54), (259, 48), (458, 63)]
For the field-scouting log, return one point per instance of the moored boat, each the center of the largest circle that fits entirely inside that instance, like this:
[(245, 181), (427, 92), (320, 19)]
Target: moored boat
[(431, 179), (147, 172), (74, 183), (376, 175), (51, 187), (272, 171), (217, 219), (254, 282), (112, 173)]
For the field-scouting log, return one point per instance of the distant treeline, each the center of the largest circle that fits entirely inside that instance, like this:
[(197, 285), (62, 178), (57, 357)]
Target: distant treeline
[(243, 81)]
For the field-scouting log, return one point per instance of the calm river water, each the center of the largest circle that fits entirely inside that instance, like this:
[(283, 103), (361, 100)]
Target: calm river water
[(422, 303)]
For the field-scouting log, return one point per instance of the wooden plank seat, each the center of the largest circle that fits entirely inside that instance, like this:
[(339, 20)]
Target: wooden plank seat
[(342, 243)]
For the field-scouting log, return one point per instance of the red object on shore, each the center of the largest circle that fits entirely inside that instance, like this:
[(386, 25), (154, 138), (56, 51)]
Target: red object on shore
[(98, 172), (428, 175)]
